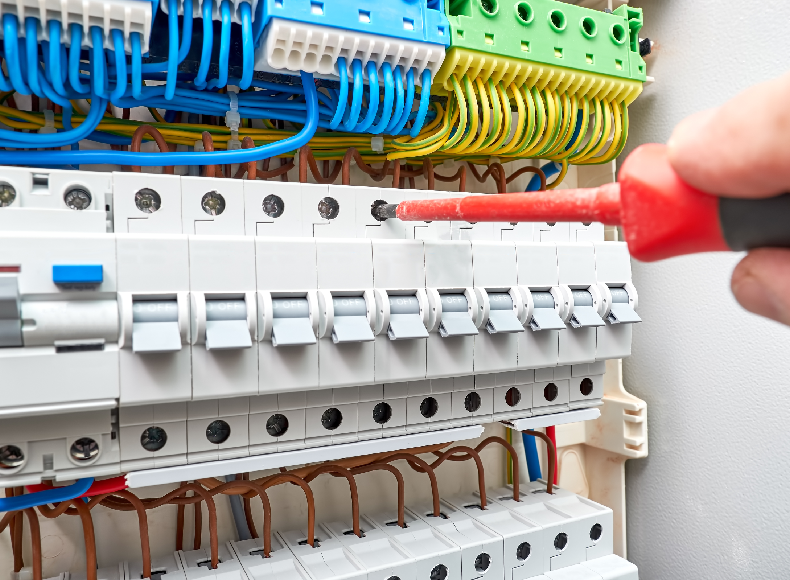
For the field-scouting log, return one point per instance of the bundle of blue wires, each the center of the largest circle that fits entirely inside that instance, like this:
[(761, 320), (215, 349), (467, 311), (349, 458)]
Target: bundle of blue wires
[(111, 77)]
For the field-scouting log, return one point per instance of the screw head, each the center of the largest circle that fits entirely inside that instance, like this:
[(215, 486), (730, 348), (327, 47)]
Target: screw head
[(84, 449), (277, 425), (560, 541), (77, 199), (472, 402), (382, 413), (147, 200), (328, 208), (482, 562), (331, 419), (213, 203), (153, 438), (595, 532), (218, 432), (7, 195), (429, 407), (273, 206), (439, 572), (11, 456), (523, 551)]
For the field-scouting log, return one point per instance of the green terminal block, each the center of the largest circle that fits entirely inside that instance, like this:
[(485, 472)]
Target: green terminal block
[(530, 40)]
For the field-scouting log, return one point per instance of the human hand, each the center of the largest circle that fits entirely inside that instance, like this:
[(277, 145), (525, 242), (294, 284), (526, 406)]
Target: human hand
[(742, 149)]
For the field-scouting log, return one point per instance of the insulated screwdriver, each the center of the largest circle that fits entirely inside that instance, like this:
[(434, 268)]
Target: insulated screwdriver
[(661, 215)]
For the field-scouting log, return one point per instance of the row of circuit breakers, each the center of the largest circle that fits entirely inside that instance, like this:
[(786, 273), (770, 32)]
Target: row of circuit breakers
[(241, 343), (544, 537)]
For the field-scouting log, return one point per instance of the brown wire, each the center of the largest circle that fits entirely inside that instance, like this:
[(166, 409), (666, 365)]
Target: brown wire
[(137, 140), (35, 540), (513, 458), (352, 484), (252, 166), (398, 477), (552, 457), (90, 537), (459, 175), (180, 509), (306, 160), (284, 162), (414, 460), (198, 531), (396, 170), (536, 170), (375, 174), (142, 518), (17, 531), (208, 146), (481, 475), (248, 508), (6, 520)]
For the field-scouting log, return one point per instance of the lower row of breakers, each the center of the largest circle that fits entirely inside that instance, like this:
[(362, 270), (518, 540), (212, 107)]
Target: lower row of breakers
[(534, 530)]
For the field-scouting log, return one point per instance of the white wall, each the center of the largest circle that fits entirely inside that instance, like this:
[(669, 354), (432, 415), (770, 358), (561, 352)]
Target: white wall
[(712, 499)]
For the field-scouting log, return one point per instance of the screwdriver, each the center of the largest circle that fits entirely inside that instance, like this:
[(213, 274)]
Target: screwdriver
[(661, 215)]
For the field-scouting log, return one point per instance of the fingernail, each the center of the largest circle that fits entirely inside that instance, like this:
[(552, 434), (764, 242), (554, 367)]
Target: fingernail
[(756, 297)]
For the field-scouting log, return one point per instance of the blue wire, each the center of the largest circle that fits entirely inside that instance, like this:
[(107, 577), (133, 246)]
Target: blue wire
[(55, 54), (54, 495), (425, 95), (208, 43), (409, 103), (31, 54), (11, 53), (356, 99), (531, 452), (98, 74), (389, 89), (373, 98), (137, 69), (398, 100), (74, 60), (120, 65), (224, 48), (186, 39), (181, 158), (342, 96), (172, 50), (5, 83), (17, 139), (248, 50), (550, 169)]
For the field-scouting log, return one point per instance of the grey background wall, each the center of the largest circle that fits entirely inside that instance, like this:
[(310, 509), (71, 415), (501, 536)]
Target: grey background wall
[(713, 498)]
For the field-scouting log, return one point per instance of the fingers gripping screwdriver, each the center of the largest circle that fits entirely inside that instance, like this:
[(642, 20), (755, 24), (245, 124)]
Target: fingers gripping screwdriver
[(661, 215)]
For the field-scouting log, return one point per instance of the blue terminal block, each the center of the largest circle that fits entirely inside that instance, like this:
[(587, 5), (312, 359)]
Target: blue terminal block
[(416, 20), (78, 275)]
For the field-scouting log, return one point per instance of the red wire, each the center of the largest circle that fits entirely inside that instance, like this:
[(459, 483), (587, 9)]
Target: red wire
[(97, 488), (552, 434)]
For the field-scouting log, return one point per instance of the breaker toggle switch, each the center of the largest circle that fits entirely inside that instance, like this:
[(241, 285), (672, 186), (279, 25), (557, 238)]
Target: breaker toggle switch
[(350, 322), (543, 312), (291, 323), (584, 312), (226, 325), (155, 326), (502, 316), (405, 318), (621, 310), (10, 313), (456, 318)]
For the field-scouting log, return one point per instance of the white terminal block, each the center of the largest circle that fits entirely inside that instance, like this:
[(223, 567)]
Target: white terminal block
[(153, 436), (277, 422), (500, 311), (196, 565), (329, 211), (368, 226), (401, 310), (217, 429), (47, 200), (224, 317), (347, 311), (273, 208), (449, 281), (212, 206), (147, 203), (153, 294), (429, 404), (168, 566), (288, 314), (128, 16), (294, 46), (380, 554), (551, 390), (619, 300), (482, 549), (581, 305), (58, 318), (435, 556), (327, 559), (473, 399), (332, 416), (586, 385), (61, 447), (216, 14), (108, 573), (521, 537), (538, 280), (382, 410), (575, 529), (281, 562)]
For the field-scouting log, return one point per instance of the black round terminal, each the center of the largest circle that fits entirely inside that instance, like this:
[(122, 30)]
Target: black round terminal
[(439, 572), (645, 47), (429, 407), (512, 397), (586, 387), (277, 425), (11, 456), (331, 419), (153, 438), (523, 551), (273, 205), (595, 532), (482, 562), (375, 211), (560, 541), (472, 402), (328, 208), (382, 413), (218, 431)]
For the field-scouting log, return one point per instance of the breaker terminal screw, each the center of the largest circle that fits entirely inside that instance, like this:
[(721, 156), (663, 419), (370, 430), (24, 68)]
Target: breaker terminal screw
[(218, 432), (273, 206), (213, 203), (84, 449), (11, 456), (147, 200), (7, 195), (77, 199)]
